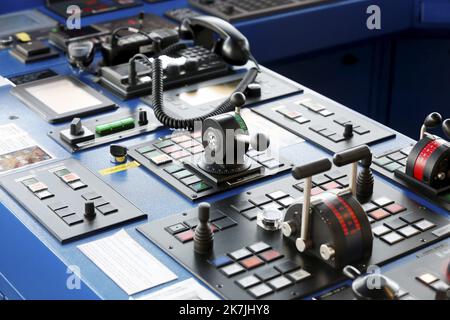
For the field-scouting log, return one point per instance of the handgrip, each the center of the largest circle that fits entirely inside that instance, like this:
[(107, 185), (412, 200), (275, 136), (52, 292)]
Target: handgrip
[(432, 120), (446, 128), (352, 155), (312, 168)]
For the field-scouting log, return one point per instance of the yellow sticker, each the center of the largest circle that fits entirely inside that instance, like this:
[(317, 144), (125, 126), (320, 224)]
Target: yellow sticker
[(119, 168)]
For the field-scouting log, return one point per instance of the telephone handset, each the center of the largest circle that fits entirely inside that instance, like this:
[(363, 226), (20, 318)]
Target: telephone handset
[(232, 45)]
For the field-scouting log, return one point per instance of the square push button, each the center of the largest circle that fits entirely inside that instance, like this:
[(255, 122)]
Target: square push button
[(145, 149), (242, 205), (38, 186), (277, 195), (64, 212), (267, 274), (408, 231), (232, 269), (71, 177), (88, 196), (252, 262), (240, 254), (76, 185), (280, 282), (73, 219), (380, 230), (226, 223), (287, 266), (392, 238), (411, 217), (299, 275), (383, 201), (286, 202), (424, 225), (395, 208), (107, 209), (270, 255), (176, 228), (258, 247), (260, 290), (185, 236), (395, 224), (221, 261), (379, 214), (57, 205), (45, 194), (200, 186), (248, 281), (251, 214)]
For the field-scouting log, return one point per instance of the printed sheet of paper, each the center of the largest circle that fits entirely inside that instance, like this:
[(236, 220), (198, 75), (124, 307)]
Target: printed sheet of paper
[(18, 149), (127, 263), (185, 290)]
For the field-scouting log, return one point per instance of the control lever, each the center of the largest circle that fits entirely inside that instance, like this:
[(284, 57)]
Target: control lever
[(361, 186), (306, 172), (383, 288), (446, 128), (203, 237), (76, 127), (431, 121)]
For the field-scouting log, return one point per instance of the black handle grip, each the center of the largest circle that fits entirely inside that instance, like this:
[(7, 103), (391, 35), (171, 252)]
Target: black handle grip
[(312, 168), (446, 128), (432, 120), (352, 155)]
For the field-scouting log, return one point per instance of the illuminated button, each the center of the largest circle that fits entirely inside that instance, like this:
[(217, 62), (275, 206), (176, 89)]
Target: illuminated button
[(391, 167), (163, 144), (232, 269), (326, 113), (408, 231), (199, 187), (64, 212), (369, 206), (173, 168), (158, 158), (379, 214), (272, 164), (62, 172), (316, 190), (395, 224), (77, 185), (361, 130), (395, 208), (270, 255), (392, 238), (259, 247), (176, 228), (220, 261), (226, 223), (302, 120), (331, 185), (145, 149), (335, 174), (196, 135), (45, 194), (192, 223), (171, 149), (312, 105), (196, 149), (100, 202), (90, 195), (242, 205), (280, 282), (286, 202), (383, 201), (56, 206), (396, 156), (182, 174), (240, 254), (73, 219), (427, 278), (38, 186), (287, 266), (260, 200), (30, 181), (383, 161), (424, 225), (380, 230), (180, 139), (190, 180), (277, 195), (180, 154), (185, 236), (251, 214), (299, 275), (267, 274), (248, 281), (189, 144), (71, 177), (291, 114), (107, 209), (260, 290), (440, 286), (252, 262), (412, 217)]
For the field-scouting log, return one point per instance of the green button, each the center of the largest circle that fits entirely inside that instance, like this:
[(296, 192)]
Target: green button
[(163, 144), (201, 186), (393, 166), (30, 181), (182, 174), (62, 172), (382, 161), (145, 149), (173, 168)]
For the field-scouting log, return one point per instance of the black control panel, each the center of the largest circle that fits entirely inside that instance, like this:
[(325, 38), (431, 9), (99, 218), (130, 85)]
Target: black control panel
[(243, 9), (194, 64), (250, 262), (69, 200), (324, 123)]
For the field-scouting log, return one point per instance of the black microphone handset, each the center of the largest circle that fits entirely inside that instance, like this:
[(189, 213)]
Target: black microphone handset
[(232, 46)]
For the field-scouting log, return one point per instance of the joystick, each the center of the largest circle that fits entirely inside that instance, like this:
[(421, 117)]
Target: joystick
[(89, 210), (203, 237), (372, 286), (340, 232), (348, 131), (428, 164)]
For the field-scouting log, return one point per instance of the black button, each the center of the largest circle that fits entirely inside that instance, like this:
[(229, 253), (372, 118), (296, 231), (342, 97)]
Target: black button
[(395, 224), (179, 227), (260, 200), (242, 205), (267, 273), (225, 223), (411, 217), (287, 266), (251, 214)]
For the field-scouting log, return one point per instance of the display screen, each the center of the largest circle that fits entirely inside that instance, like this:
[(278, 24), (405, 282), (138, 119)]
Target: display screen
[(63, 96), (209, 94), (16, 22)]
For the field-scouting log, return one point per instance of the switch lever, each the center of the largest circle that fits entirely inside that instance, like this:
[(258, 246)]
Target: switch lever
[(76, 127)]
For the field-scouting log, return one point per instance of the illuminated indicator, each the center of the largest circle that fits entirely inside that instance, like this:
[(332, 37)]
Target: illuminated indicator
[(116, 126), (424, 155)]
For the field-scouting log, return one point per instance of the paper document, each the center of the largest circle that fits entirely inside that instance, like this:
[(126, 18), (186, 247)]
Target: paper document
[(185, 290), (127, 263), (18, 149)]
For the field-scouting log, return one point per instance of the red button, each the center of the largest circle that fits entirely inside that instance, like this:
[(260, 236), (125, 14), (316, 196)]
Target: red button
[(252, 262), (270, 255), (379, 214), (395, 208), (331, 185), (185, 236), (315, 191)]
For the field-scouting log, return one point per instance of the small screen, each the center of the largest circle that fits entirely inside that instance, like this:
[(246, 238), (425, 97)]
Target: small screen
[(209, 94), (16, 22), (63, 96)]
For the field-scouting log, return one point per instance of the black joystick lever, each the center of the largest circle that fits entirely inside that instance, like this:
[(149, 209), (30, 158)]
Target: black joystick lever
[(203, 237), (446, 128), (348, 131), (76, 127), (361, 185), (431, 121), (383, 288), (143, 118), (306, 172), (89, 210)]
